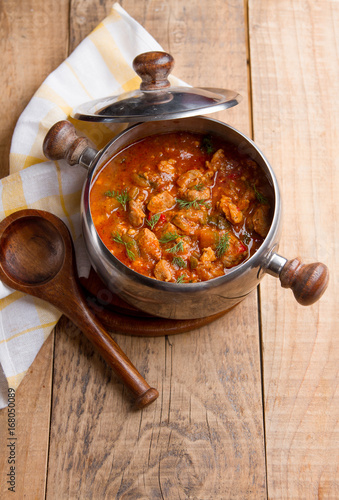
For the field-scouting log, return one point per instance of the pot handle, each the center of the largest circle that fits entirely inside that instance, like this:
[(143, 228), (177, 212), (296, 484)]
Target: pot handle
[(307, 281), (63, 143)]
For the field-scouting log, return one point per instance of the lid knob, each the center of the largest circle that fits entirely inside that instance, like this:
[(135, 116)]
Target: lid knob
[(153, 69)]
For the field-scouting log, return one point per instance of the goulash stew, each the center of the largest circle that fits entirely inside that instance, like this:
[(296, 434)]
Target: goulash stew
[(181, 207)]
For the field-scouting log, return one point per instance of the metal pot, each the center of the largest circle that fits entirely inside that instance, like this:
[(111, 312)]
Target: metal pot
[(191, 300), (173, 300)]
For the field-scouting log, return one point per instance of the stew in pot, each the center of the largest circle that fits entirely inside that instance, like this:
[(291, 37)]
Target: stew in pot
[(181, 207)]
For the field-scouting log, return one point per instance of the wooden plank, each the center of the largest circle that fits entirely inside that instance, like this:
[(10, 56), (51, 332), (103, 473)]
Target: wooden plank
[(32, 412), (33, 42), (84, 18), (294, 62), (203, 437)]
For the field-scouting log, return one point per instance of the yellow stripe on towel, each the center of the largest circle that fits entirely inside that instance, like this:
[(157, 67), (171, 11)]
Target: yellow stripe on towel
[(34, 328), (19, 161), (111, 54), (14, 380), (13, 197), (7, 301), (67, 63), (49, 94)]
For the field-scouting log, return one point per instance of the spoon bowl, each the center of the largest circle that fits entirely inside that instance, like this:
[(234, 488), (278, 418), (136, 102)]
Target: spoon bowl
[(27, 241)]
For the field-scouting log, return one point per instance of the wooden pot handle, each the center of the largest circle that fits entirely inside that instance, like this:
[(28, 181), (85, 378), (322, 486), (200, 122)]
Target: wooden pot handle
[(153, 69), (307, 281), (63, 143)]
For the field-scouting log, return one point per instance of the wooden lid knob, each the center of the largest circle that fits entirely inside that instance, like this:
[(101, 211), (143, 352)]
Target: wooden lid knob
[(307, 281), (63, 143), (153, 68)]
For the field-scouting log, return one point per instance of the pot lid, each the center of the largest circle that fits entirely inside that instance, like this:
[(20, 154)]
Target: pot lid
[(156, 99)]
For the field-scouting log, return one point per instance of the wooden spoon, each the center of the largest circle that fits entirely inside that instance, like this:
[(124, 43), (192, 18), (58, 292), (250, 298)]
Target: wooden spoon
[(37, 257)]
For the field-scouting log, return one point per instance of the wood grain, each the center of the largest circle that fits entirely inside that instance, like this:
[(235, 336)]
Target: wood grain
[(295, 82), (203, 437), (32, 408), (33, 42)]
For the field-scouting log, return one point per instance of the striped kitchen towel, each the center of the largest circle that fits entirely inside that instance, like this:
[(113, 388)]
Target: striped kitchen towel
[(100, 66)]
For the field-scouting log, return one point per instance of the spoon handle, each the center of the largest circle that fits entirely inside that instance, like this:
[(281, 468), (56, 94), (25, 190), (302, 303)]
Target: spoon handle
[(76, 309)]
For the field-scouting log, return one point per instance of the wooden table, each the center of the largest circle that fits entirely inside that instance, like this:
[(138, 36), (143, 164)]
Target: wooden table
[(248, 405)]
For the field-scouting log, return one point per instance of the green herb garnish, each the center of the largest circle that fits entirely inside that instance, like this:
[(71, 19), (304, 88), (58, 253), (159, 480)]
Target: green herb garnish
[(178, 247), (195, 204), (207, 145), (181, 278), (179, 261), (128, 244), (123, 197), (260, 197), (246, 239), (169, 237), (153, 221), (223, 244), (198, 187)]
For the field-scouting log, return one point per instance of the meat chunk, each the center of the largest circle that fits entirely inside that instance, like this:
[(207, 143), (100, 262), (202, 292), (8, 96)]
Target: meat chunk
[(235, 252), (261, 220), (208, 237), (245, 200), (195, 214), (163, 271), (169, 228), (111, 204), (189, 178), (136, 214), (231, 211), (161, 202), (167, 166), (209, 270), (208, 255), (218, 160), (149, 245), (182, 222), (140, 179), (198, 194)]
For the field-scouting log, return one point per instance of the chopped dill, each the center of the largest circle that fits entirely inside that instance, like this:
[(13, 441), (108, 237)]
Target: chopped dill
[(181, 278), (260, 197), (118, 239), (178, 247), (123, 197), (153, 221), (169, 237), (246, 239), (206, 145), (179, 261), (195, 203), (223, 245), (198, 187)]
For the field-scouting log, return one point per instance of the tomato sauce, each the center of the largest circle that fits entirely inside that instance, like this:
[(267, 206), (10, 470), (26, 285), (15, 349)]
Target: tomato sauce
[(181, 207)]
